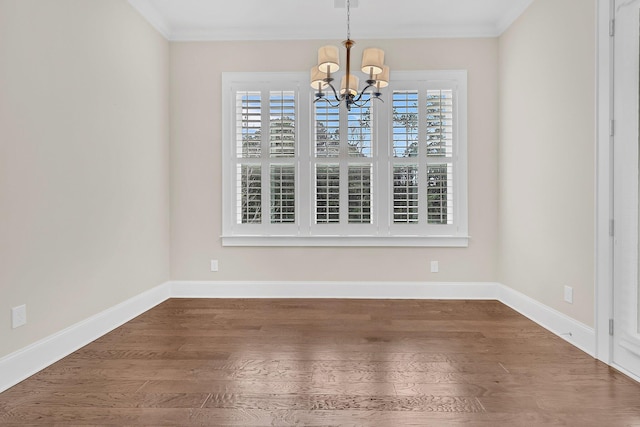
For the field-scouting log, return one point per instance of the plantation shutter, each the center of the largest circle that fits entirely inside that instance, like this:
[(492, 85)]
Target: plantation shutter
[(422, 157), (265, 151), (298, 171)]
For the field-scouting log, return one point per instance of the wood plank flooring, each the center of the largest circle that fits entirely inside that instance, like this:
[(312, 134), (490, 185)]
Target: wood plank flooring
[(275, 362)]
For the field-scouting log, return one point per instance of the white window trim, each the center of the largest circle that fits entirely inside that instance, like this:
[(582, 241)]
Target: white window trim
[(300, 233)]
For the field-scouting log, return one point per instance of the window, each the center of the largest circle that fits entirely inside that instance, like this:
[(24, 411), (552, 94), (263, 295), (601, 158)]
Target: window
[(303, 173)]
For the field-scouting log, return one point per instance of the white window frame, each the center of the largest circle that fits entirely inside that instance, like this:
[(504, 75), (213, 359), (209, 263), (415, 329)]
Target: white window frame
[(382, 232)]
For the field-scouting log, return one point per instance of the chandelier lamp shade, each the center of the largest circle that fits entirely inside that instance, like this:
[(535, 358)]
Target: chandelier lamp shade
[(329, 62)]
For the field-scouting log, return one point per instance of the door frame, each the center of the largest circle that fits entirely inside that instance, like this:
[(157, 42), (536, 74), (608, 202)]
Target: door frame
[(604, 283), (604, 182)]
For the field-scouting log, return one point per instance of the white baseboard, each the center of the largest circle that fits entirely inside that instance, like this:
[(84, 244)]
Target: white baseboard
[(625, 372), (373, 290), (565, 327), (23, 363), (572, 331)]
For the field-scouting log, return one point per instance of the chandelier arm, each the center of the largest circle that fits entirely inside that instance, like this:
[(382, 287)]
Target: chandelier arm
[(370, 85), (361, 104), (376, 95), (335, 93), (364, 102), (337, 104)]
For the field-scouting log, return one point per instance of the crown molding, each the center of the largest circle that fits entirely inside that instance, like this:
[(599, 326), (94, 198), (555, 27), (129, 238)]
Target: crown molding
[(511, 16), (152, 16), (323, 30), (306, 33)]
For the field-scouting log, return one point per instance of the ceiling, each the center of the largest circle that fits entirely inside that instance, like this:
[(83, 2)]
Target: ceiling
[(183, 20)]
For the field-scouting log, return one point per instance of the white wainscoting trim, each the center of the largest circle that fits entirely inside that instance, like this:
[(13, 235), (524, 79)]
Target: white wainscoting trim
[(27, 361), (23, 363)]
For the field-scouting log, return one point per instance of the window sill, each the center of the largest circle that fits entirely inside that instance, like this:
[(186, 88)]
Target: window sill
[(356, 241)]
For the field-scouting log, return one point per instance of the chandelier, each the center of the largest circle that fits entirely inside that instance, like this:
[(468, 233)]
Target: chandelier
[(329, 62)]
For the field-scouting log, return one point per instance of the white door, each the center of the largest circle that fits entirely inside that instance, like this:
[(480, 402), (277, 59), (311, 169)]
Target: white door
[(626, 337)]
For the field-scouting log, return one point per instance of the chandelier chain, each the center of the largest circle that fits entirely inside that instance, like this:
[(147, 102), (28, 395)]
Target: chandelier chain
[(348, 19)]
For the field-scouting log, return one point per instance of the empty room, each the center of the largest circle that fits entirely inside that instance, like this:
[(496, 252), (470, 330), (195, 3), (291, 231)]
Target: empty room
[(319, 212)]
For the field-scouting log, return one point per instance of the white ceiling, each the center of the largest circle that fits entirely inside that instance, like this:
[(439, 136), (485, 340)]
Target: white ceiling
[(321, 19)]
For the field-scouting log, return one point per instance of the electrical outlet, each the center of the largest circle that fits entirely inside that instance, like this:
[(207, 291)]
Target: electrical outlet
[(19, 316), (214, 265), (434, 266), (568, 294)]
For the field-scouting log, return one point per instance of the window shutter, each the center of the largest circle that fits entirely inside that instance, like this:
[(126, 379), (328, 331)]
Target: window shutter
[(359, 130), (282, 124), (327, 129), (283, 194), (249, 194), (248, 124), (360, 194), (439, 123), (439, 194), (405, 123), (423, 143), (405, 194), (327, 205), (439, 126)]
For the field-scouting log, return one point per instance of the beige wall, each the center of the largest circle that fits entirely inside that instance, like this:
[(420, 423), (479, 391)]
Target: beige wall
[(546, 156), (196, 221), (85, 161), (84, 181)]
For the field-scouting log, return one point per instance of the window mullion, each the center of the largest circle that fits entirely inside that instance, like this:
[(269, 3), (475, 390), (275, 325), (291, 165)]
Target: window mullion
[(423, 159), (382, 182), (265, 174), (304, 165), (265, 159), (343, 161), (344, 191), (264, 124)]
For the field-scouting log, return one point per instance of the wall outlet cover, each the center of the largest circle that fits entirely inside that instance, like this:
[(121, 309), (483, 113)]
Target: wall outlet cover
[(434, 266), (568, 294), (18, 316)]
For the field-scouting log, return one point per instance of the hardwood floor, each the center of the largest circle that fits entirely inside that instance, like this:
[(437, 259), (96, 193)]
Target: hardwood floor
[(237, 362)]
